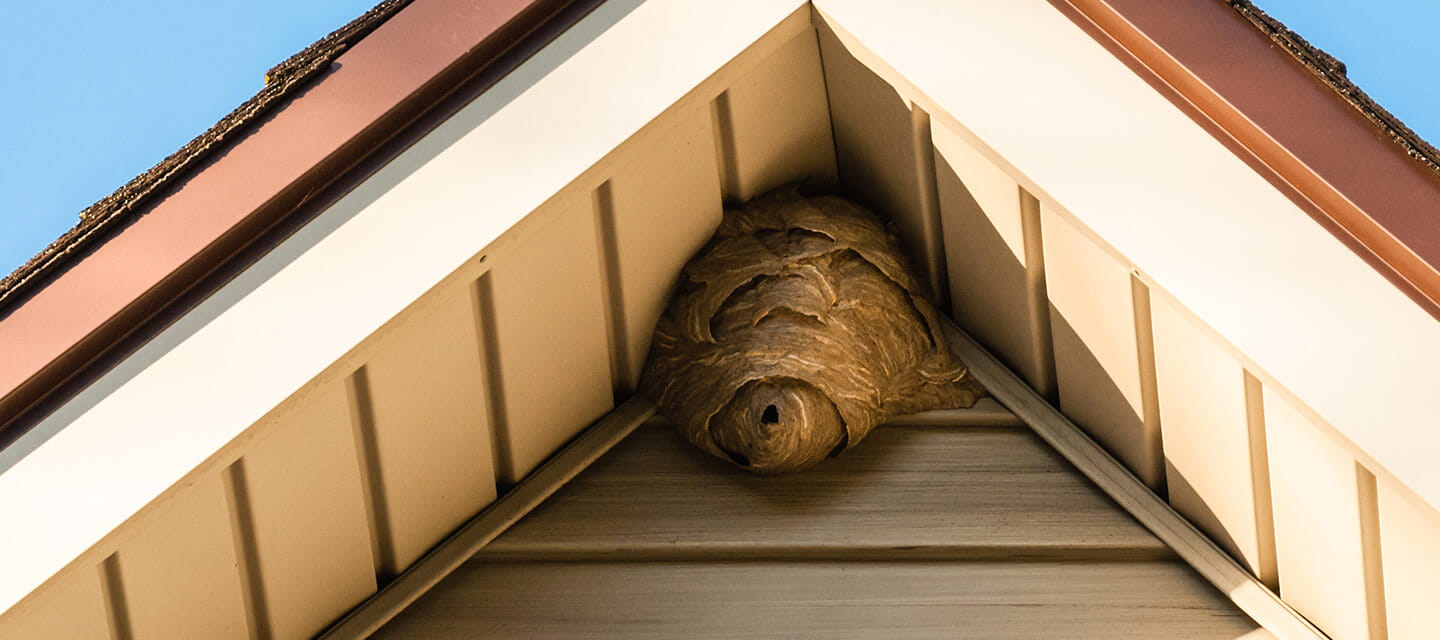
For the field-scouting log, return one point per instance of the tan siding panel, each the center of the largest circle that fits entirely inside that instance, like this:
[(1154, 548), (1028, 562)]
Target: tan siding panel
[(666, 204), (1205, 432), (552, 346), (69, 606), (180, 573), (427, 396), (781, 121), (1317, 522), (1410, 555), (873, 145), (985, 252), (1097, 363), (302, 481)]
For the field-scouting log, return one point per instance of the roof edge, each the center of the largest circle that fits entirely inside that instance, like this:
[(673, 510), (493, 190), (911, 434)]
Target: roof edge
[(281, 81), (1333, 72)]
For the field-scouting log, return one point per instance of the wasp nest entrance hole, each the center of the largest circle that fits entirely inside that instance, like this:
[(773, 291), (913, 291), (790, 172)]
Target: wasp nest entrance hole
[(770, 416)]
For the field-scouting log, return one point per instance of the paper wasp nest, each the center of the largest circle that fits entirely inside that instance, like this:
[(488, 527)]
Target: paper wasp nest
[(796, 330)]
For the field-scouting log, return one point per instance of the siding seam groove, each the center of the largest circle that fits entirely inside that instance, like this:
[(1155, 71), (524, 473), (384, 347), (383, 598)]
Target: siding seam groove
[(1042, 345), (722, 122), (927, 189), (242, 531), (1267, 556), (112, 588), (612, 289), (1149, 385), (500, 445), (1370, 552), (372, 478)]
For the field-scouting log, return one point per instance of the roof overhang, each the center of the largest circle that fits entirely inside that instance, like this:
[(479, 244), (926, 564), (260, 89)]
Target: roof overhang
[(1017, 93)]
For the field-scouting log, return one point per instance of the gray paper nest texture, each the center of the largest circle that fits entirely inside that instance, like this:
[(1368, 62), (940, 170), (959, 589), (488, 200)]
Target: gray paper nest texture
[(795, 331)]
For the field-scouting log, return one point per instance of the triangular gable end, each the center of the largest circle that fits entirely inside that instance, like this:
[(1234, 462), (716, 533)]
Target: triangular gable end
[(448, 323)]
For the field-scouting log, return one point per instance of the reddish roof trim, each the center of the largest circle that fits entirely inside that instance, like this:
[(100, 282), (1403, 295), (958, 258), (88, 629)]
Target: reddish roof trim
[(1289, 113), (197, 222)]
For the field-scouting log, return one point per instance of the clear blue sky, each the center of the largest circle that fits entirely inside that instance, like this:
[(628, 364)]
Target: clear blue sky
[(95, 92)]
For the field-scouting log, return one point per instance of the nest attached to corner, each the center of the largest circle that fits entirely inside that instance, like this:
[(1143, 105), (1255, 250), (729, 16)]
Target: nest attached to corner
[(794, 332)]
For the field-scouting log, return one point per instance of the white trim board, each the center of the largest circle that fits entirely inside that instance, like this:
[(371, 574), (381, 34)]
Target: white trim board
[(1091, 138), (530, 135)]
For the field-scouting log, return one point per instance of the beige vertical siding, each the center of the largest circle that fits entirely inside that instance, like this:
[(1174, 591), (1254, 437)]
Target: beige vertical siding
[(876, 147), (1317, 522), (424, 406), (985, 254), (1097, 356), (178, 574), (662, 207), (550, 348), (1410, 553), (300, 487), (1206, 433), (71, 605), (779, 123)]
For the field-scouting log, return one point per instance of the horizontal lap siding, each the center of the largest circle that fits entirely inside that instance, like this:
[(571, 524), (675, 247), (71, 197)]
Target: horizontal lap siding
[(919, 492), (778, 598)]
